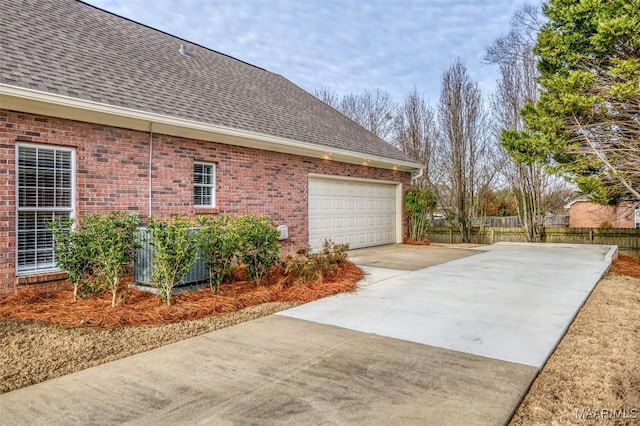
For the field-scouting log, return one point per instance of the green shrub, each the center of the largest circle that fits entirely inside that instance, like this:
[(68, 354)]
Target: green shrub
[(112, 242), (218, 246), (258, 246), (72, 252), (419, 204), (175, 247)]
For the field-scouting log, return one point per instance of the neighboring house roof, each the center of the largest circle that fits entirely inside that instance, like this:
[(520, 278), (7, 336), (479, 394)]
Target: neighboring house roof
[(72, 52), (586, 200), (577, 200)]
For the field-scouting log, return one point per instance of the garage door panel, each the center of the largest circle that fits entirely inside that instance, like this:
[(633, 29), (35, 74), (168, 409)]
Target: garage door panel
[(327, 205), (354, 212), (351, 222), (326, 224)]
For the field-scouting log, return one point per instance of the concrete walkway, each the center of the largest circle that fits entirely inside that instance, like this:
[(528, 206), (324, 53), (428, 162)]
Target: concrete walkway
[(455, 343)]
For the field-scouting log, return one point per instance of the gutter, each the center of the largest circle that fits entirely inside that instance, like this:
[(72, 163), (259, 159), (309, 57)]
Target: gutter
[(38, 102)]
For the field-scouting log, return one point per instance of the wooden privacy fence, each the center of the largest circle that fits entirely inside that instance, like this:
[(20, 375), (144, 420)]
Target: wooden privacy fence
[(627, 240), (555, 221)]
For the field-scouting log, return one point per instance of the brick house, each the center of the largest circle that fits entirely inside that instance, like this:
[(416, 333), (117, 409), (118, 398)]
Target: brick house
[(586, 214), (99, 113)]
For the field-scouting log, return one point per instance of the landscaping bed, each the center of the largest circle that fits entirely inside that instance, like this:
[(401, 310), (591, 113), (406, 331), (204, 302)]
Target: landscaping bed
[(141, 308), (99, 317), (44, 335)]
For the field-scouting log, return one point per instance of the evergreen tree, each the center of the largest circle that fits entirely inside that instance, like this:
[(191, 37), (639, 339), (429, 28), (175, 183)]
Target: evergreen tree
[(585, 122)]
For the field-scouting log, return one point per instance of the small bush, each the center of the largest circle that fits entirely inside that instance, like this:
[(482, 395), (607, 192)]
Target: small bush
[(419, 204), (218, 243), (335, 253), (96, 254), (112, 242), (257, 244), (72, 252), (301, 268), (307, 266), (175, 247)]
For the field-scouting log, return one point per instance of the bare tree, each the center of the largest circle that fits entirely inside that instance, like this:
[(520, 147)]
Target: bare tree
[(525, 25), (526, 177), (372, 109), (327, 95), (416, 131), (517, 86), (464, 152)]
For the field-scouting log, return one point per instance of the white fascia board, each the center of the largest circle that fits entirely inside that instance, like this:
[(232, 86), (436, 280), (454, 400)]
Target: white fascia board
[(38, 102)]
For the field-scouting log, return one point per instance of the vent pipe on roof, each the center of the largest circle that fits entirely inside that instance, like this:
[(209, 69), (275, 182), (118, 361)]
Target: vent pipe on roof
[(183, 51)]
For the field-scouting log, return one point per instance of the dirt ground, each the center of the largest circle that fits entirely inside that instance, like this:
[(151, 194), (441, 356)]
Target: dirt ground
[(593, 377), (35, 352), (44, 335)]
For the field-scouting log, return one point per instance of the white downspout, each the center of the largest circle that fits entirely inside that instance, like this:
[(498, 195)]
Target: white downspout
[(150, 169)]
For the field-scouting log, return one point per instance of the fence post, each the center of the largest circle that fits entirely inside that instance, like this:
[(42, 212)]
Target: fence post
[(492, 238), (450, 235)]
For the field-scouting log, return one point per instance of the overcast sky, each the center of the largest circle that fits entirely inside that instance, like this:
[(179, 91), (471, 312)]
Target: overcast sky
[(347, 45)]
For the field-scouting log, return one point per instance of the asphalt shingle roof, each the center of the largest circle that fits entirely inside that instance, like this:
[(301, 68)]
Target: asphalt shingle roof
[(74, 49)]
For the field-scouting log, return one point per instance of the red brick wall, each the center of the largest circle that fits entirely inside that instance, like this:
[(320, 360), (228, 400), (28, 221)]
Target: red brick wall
[(584, 214), (112, 174)]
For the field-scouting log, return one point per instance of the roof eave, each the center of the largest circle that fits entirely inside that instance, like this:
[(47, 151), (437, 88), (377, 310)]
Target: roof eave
[(55, 105)]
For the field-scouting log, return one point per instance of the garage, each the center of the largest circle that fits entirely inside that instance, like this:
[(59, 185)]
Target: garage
[(362, 213)]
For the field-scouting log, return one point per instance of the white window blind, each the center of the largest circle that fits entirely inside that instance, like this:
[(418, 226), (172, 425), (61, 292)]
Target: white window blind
[(44, 193), (204, 185)]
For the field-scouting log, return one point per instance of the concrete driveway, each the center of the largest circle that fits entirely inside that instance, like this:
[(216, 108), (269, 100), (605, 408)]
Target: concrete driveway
[(454, 343)]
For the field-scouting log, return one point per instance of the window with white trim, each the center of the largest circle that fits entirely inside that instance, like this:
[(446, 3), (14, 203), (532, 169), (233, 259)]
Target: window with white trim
[(204, 185), (44, 192)]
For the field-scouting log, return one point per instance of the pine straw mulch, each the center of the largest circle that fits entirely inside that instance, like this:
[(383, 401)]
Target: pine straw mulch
[(626, 265), (412, 242), (140, 308)]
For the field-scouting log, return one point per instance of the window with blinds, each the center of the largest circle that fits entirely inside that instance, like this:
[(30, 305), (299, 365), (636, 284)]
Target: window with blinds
[(204, 185), (44, 179)]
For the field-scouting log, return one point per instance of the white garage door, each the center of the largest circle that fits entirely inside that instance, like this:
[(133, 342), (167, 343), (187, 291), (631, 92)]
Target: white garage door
[(359, 213)]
